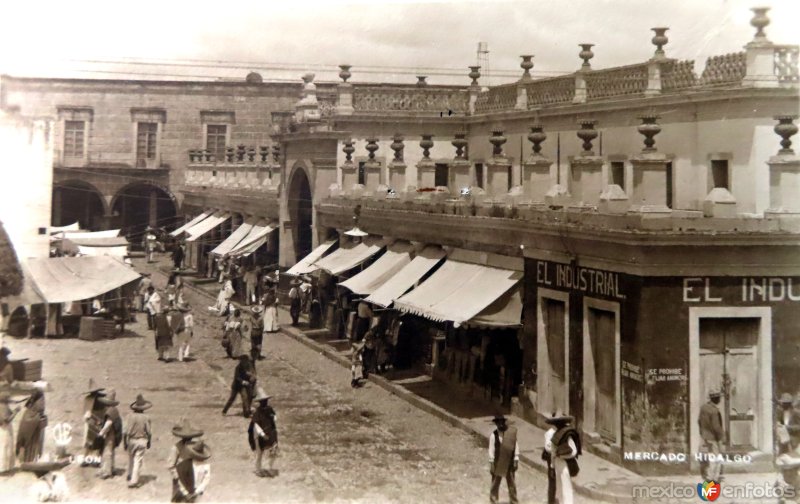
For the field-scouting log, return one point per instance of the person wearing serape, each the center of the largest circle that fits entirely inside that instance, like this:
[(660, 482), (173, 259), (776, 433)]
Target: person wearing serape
[(188, 464), (94, 412), (256, 332), (244, 382), (30, 437), (562, 446), (111, 432), (138, 436), (270, 302), (233, 332), (503, 459), (263, 434)]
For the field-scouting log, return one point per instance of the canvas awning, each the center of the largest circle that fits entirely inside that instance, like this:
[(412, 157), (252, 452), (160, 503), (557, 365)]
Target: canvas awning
[(465, 285), (505, 311), (86, 235), (75, 226), (206, 225), (349, 256), (237, 236), (396, 256), (62, 279), (406, 278), (203, 216), (29, 295), (120, 251), (254, 239), (306, 264)]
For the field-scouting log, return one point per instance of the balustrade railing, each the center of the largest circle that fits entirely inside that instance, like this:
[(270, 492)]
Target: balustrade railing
[(676, 75), (619, 81), (724, 69), (497, 98), (550, 91), (242, 167), (399, 99), (786, 63)]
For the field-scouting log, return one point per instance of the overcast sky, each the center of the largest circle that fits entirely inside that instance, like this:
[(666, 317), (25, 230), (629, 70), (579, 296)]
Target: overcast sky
[(58, 38)]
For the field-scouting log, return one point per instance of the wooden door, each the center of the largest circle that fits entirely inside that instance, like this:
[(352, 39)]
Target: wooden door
[(602, 328), (554, 313)]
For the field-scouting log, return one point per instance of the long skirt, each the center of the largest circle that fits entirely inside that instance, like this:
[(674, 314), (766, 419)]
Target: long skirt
[(271, 319), (236, 344), (6, 447)]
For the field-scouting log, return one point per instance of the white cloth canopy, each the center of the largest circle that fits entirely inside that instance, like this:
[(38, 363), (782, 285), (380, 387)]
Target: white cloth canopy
[(120, 251), (349, 256), (406, 278), (206, 225), (87, 235), (254, 239), (75, 226), (460, 289), (63, 279), (234, 239), (306, 264), (192, 223), (396, 256)]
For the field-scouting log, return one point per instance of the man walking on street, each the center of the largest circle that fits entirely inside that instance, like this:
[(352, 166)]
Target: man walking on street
[(152, 306), (111, 432), (710, 422), (163, 334), (295, 302), (263, 434), (256, 332), (503, 459), (562, 446), (244, 381), (188, 464), (250, 283), (138, 436)]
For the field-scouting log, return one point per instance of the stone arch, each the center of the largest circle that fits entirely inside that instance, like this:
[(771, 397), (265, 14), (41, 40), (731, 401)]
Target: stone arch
[(140, 204), (300, 206), (78, 200)]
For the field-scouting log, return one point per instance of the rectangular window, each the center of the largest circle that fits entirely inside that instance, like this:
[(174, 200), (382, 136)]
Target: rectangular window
[(146, 133), (216, 140), (362, 173), (479, 175), (74, 134), (669, 185), (440, 177), (719, 173), (618, 173)]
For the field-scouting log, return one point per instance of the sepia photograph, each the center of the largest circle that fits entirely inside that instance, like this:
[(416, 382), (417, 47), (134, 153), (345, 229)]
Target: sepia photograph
[(400, 251)]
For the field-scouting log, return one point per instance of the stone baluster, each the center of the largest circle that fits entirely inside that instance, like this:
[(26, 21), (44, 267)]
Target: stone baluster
[(538, 172), (474, 87), (307, 109), (784, 171), (348, 168), (580, 76), (426, 168), (230, 154), (206, 156), (586, 169), (372, 168), (344, 103), (498, 167), (760, 54), (421, 82), (522, 92), (654, 65), (649, 193), (459, 175), (397, 167)]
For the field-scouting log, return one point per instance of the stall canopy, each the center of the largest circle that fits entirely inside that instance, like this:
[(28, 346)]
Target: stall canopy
[(406, 278), (465, 285), (30, 295), (63, 279), (206, 225), (504, 312), (116, 246), (347, 257), (254, 239), (396, 257), (71, 227), (203, 216), (306, 264), (234, 239), (86, 235)]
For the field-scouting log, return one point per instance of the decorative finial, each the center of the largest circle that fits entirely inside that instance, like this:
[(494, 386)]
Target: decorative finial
[(537, 136), (587, 133), (526, 65), (475, 74), (759, 22), (345, 72), (659, 40), (586, 54), (786, 128), (649, 128)]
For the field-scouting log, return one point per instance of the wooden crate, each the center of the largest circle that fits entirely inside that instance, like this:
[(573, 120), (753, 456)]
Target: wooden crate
[(96, 328), (27, 370)]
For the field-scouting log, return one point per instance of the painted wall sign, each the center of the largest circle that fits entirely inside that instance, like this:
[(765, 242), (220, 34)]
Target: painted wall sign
[(751, 290), (632, 371), (655, 375), (590, 281)]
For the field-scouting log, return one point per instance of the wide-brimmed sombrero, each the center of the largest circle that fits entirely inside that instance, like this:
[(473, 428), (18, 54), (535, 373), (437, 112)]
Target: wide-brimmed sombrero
[(93, 387), (109, 398), (40, 468), (186, 431), (559, 418), (261, 395), (198, 450), (499, 418), (256, 308), (141, 404), (786, 398)]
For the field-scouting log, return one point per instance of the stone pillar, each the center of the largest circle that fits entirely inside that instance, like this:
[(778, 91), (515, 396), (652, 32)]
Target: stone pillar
[(784, 171), (497, 167), (426, 168), (459, 176), (474, 87), (586, 169), (397, 167), (580, 76), (649, 193), (152, 212), (307, 109), (538, 172), (760, 54), (344, 102)]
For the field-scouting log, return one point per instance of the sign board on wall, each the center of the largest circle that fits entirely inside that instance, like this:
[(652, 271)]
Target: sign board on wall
[(577, 278)]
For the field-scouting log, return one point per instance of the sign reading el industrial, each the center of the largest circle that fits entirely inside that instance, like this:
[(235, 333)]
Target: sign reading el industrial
[(590, 281), (749, 290)]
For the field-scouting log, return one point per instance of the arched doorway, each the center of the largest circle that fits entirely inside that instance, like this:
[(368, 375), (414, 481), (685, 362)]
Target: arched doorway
[(78, 201), (300, 213), (141, 204)]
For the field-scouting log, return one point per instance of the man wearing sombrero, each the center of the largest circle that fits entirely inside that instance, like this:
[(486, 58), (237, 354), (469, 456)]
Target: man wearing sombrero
[(263, 433), (188, 463), (562, 446), (94, 412), (503, 459), (256, 331), (711, 432), (138, 436), (111, 433)]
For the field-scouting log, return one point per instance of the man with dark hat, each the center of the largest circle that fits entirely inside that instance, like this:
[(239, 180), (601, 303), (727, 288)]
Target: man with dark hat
[(503, 459), (712, 434), (295, 301), (94, 412), (138, 436), (562, 446), (6, 371), (788, 420), (263, 433), (244, 381), (188, 463), (111, 432), (256, 332)]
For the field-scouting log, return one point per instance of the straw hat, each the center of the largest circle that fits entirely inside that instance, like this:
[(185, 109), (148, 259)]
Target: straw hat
[(714, 393), (109, 398), (559, 418), (199, 450), (185, 430), (786, 398), (261, 395), (93, 388), (499, 419), (40, 468), (256, 308), (140, 404)]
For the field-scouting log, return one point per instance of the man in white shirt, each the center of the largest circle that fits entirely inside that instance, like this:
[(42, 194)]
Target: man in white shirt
[(152, 306), (561, 449), (503, 459)]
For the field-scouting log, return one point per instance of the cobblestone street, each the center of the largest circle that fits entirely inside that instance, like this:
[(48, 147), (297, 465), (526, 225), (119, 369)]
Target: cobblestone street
[(337, 444)]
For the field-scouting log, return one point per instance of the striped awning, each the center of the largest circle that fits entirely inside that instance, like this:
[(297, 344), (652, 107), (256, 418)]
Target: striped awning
[(192, 223), (405, 279), (396, 256), (234, 239), (306, 264), (254, 239), (348, 256), (206, 225)]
